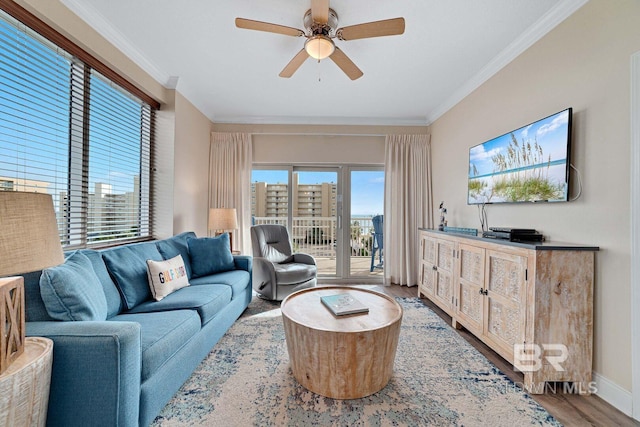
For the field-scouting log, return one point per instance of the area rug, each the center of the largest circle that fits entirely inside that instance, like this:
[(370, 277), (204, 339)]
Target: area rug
[(439, 379)]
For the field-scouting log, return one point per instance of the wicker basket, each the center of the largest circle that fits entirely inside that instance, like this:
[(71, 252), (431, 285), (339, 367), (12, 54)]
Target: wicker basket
[(24, 386)]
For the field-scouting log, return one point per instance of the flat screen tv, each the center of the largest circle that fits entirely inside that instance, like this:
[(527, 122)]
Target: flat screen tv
[(529, 164)]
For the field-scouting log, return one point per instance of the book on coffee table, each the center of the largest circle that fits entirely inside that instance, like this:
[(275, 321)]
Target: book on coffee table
[(343, 304)]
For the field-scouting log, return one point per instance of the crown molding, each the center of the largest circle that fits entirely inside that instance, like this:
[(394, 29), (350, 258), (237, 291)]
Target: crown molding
[(95, 20), (320, 120), (545, 24)]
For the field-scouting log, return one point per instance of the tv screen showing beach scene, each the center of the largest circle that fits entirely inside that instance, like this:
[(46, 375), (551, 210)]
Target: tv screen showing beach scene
[(529, 164)]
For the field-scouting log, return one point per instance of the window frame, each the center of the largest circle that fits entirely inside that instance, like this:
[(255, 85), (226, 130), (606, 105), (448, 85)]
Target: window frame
[(74, 232)]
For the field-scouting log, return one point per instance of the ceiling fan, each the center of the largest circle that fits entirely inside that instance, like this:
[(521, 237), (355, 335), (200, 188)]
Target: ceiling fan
[(321, 24)]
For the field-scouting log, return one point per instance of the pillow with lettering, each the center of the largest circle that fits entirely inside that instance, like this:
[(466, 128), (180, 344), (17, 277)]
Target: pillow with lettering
[(167, 276)]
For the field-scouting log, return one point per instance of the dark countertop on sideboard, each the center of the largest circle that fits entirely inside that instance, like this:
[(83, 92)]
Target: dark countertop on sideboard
[(538, 246)]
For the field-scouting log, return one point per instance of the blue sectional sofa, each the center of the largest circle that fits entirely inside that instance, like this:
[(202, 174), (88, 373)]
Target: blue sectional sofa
[(119, 355)]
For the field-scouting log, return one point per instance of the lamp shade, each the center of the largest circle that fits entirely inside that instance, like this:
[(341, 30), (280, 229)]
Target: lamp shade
[(223, 219), (29, 238), (319, 46)]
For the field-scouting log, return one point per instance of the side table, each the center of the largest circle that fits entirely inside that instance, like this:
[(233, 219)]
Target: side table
[(24, 386)]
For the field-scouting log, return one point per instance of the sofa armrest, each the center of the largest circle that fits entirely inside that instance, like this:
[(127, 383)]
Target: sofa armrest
[(264, 277), (95, 378), (243, 262), (304, 259)]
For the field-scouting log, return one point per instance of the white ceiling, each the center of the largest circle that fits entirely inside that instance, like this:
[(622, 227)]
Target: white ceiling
[(448, 49)]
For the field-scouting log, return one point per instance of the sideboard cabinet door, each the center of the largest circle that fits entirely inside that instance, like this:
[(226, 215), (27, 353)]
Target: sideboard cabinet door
[(505, 305)]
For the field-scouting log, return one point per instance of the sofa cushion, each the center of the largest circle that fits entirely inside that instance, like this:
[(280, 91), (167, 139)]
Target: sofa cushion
[(166, 277), (208, 300), (237, 280), (210, 255), (294, 273), (114, 301), (162, 335), (72, 291), (128, 267), (177, 245)]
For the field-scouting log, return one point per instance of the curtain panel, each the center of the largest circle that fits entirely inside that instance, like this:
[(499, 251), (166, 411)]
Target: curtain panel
[(230, 181), (407, 205)]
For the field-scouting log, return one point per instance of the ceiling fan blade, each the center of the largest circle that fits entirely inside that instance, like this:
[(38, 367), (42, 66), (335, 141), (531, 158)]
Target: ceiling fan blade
[(320, 11), (387, 27), (345, 64), (249, 24), (294, 64)]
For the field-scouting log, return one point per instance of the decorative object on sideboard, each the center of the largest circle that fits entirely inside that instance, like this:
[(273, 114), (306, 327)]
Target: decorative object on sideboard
[(443, 221), (29, 241), (223, 220)]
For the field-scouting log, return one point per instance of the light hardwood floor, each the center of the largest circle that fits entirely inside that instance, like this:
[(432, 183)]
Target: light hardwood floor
[(569, 409)]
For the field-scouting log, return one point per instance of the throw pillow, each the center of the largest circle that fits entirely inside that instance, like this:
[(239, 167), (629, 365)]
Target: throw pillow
[(72, 291), (175, 245), (128, 266), (167, 276), (210, 255)]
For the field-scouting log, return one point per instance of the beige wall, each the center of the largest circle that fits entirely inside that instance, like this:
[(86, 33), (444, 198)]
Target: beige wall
[(583, 63), (191, 181)]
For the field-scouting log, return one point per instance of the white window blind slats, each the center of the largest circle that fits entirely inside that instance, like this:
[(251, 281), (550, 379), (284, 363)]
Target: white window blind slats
[(69, 131), (32, 125)]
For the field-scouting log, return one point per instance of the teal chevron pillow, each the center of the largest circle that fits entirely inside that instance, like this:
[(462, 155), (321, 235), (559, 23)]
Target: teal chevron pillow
[(72, 291)]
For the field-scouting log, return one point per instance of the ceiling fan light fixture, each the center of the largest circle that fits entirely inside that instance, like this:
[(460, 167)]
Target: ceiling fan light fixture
[(319, 46)]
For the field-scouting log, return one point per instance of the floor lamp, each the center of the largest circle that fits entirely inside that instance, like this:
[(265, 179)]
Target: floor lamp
[(222, 220), (29, 241)]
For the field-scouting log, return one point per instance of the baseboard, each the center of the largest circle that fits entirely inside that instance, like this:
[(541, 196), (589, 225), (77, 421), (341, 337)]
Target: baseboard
[(613, 394)]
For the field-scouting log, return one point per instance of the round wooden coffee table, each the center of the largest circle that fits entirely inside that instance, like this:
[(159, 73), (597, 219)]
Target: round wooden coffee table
[(345, 357)]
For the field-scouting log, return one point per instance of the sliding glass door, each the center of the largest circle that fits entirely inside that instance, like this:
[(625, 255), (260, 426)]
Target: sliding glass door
[(329, 213), (315, 217), (366, 202)]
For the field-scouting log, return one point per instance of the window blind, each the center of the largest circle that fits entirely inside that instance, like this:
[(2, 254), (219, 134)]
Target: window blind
[(69, 131)]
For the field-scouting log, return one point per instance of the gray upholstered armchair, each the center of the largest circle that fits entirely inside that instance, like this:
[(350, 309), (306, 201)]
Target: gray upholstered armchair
[(276, 271)]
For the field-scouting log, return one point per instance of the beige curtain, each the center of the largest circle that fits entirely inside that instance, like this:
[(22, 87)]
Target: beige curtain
[(230, 181), (407, 205)]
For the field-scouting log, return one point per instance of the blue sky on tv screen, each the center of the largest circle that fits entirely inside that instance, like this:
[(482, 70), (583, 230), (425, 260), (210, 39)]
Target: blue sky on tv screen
[(550, 133)]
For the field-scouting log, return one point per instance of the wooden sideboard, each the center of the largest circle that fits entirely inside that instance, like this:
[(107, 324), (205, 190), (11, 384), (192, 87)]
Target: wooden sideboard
[(532, 303)]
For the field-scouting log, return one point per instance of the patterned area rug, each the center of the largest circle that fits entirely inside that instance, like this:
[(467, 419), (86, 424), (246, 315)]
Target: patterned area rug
[(439, 379)]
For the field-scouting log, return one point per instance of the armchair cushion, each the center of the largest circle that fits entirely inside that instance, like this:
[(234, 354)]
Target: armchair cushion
[(72, 291), (294, 273), (210, 255)]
